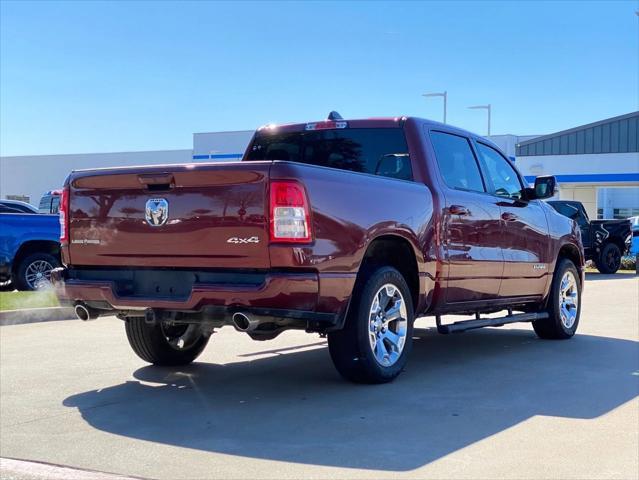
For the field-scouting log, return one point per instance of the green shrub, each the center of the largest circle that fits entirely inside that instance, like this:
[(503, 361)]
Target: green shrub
[(628, 263)]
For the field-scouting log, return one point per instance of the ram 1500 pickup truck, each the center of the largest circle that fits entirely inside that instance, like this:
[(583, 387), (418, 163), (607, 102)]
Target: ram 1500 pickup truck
[(346, 228), (605, 241)]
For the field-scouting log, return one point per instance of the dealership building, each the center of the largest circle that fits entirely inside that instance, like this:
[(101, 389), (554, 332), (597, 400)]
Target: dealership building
[(596, 164)]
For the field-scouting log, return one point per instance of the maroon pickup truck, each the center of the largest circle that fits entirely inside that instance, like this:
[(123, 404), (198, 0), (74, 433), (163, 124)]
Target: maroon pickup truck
[(350, 229)]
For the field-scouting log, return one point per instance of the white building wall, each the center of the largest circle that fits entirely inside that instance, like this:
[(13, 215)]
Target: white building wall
[(221, 145), (35, 174), (598, 166)]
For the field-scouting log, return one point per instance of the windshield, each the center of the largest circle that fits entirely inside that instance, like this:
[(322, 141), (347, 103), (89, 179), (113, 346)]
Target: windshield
[(378, 151)]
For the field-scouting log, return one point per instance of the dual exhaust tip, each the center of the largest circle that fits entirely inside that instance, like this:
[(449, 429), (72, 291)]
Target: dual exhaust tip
[(242, 322)]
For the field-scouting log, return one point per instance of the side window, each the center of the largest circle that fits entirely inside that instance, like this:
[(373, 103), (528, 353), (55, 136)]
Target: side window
[(457, 162), (501, 172)]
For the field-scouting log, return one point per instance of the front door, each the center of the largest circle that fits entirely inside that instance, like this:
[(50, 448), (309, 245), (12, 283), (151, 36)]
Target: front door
[(524, 229), (471, 223)]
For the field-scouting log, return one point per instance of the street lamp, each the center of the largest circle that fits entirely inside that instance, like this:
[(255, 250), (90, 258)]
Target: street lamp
[(443, 94), (487, 107)]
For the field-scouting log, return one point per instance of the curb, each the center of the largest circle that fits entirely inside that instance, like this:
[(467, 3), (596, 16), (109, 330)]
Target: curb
[(36, 315)]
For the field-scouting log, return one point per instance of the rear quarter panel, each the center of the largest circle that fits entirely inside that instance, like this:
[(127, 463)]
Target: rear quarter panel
[(349, 210)]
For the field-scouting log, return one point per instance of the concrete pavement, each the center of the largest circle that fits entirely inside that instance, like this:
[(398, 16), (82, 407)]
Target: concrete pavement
[(495, 403)]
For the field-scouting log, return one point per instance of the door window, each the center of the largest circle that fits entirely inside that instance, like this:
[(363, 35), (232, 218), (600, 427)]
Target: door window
[(457, 162), (501, 172)]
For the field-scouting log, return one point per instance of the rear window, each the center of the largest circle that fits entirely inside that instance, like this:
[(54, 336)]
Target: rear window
[(378, 151), (565, 209)]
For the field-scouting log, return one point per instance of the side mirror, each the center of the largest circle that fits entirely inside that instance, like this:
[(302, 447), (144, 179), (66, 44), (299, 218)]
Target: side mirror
[(545, 187)]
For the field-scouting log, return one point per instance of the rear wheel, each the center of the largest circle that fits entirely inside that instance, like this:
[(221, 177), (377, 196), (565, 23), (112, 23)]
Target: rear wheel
[(374, 345), (34, 271), (609, 260), (564, 304), (163, 344)]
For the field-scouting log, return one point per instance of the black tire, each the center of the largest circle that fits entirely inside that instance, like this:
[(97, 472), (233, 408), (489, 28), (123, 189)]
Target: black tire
[(7, 286), (554, 327), (609, 260), (351, 348), (151, 342), (24, 274)]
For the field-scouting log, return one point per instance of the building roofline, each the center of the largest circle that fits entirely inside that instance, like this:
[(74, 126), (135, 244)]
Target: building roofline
[(581, 127)]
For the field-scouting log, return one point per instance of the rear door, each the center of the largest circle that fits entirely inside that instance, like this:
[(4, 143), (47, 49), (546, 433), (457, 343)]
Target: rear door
[(471, 226), (191, 216), (524, 228)]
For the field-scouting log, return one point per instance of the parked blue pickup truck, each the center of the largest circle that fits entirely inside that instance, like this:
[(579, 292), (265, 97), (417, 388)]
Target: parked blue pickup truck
[(29, 250)]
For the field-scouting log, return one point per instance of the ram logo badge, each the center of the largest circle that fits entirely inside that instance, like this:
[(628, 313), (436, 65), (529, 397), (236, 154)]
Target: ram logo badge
[(243, 240), (157, 211)]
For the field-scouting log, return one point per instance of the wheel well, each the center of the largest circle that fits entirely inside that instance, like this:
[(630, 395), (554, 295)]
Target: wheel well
[(571, 252), (617, 241), (395, 252), (35, 246)]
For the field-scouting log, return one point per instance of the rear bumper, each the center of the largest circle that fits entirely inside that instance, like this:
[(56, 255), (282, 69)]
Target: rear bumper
[(305, 296)]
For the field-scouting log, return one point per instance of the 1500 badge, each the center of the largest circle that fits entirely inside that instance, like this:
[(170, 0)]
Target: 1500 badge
[(243, 240)]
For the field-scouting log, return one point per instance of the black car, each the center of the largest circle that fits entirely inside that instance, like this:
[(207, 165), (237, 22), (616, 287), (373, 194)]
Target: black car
[(605, 241)]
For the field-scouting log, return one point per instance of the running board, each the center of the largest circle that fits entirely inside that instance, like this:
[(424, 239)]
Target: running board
[(487, 322)]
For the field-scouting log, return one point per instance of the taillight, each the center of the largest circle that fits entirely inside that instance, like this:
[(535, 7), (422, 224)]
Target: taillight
[(64, 216), (290, 218)]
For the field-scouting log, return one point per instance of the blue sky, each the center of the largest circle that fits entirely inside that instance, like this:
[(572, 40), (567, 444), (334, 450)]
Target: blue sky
[(122, 76)]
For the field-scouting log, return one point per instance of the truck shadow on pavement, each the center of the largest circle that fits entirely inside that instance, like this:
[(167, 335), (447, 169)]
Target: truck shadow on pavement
[(293, 407)]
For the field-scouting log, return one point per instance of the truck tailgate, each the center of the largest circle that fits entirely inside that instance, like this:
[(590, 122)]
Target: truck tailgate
[(201, 215)]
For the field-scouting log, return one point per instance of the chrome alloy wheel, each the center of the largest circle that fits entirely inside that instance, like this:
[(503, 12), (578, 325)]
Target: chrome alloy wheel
[(38, 274), (568, 299), (387, 325)]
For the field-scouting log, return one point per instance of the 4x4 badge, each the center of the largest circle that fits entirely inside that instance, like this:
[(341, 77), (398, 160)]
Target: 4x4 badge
[(243, 240)]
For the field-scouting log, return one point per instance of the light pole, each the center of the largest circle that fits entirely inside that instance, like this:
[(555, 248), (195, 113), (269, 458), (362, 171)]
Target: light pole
[(487, 107), (443, 94)]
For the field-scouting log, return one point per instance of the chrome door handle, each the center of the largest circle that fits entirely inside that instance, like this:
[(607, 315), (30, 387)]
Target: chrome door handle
[(509, 217), (458, 210)]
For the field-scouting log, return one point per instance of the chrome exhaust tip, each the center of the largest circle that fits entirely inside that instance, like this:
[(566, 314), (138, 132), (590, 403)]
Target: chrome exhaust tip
[(243, 322), (84, 313)]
